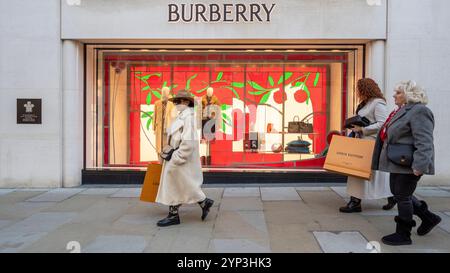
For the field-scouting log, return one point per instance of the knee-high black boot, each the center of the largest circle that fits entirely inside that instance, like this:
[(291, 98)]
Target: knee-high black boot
[(402, 235), (172, 219), (429, 219)]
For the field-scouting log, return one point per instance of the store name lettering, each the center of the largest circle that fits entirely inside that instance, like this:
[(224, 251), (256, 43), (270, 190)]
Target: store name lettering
[(245, 13)]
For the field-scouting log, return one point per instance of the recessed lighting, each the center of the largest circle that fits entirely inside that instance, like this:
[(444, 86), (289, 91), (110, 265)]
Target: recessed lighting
[(188, 50)]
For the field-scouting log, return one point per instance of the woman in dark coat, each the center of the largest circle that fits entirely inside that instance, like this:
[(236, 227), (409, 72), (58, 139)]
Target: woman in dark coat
[(408, 133)]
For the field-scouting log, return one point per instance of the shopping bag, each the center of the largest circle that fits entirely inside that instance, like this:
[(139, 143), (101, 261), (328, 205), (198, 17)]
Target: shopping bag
[(151, 183), (350, 156)]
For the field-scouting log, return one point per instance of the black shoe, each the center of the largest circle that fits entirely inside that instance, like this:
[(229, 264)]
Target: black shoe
[(169, 221), (402, 235), (391, 204), (172, 219), (206, 205), (429, 219), (353, 206)]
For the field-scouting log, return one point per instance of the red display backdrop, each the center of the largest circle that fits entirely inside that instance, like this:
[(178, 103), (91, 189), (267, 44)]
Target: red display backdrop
[(255, 84)]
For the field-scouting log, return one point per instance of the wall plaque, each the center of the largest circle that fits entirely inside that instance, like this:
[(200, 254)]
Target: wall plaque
[(29, 111)]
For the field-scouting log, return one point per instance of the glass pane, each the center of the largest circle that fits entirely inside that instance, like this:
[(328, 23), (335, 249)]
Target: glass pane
[(273, 110)]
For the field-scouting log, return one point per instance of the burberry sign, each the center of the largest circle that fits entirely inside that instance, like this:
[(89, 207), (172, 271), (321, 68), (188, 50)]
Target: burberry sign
[(246, 13)]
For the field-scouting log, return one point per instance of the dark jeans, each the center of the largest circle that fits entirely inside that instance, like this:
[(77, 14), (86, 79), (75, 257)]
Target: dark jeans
[(403, 187)]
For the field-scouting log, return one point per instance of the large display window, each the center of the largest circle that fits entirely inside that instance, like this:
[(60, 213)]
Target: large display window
[(272, 108)]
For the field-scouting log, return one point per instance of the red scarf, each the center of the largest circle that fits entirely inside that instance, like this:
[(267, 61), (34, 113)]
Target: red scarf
[(383, 131)]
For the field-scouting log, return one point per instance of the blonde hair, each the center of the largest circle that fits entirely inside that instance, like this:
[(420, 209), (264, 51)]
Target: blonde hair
[(414, 93)]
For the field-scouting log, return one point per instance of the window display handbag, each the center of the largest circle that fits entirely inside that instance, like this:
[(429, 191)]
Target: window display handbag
[(356, 121), (297, 126), (401, 154)]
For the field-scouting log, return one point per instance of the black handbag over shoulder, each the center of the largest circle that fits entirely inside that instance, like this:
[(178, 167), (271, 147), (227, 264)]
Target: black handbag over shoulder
[(358, 121), (168, 150), (401, 154)]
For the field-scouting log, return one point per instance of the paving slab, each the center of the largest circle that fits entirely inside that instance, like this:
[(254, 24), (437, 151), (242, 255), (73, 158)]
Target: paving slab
[(238, 246), (192, 239), (342, 242), (341, 191), (77, 203), (279, 194), (22, 234), (445, 223), (127, 193), (240, 224), (56, 195), (116, 244), (432, 192), (21, 210), (5, 191), (100, 191), (292, 238), (105, 211), (163, 240), (312, 188), (241, 203), (5, 223), (18, 196), (241, 192)]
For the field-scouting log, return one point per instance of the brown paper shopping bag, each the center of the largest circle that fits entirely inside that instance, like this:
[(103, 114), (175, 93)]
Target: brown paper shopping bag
[(350, 156), (151, 183)]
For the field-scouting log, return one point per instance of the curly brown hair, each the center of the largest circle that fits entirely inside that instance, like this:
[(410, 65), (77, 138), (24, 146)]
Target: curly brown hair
[(368, 89)]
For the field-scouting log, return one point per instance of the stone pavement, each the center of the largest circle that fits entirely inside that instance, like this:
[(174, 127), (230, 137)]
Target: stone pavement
[(244, 219)]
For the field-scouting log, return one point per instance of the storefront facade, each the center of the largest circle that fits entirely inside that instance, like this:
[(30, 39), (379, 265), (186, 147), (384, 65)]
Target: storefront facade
[(268, 64)]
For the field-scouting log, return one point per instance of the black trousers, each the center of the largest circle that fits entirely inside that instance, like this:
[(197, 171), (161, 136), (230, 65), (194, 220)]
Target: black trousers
[(403, 187)]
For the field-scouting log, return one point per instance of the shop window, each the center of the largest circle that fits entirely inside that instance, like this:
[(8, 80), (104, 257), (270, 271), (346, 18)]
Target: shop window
[(262, 99)]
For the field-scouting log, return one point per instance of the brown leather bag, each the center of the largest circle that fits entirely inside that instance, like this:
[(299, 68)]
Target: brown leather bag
[(297, 126)]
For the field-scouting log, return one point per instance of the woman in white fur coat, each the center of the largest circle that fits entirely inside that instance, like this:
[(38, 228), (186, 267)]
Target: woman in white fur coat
[(182, 177)]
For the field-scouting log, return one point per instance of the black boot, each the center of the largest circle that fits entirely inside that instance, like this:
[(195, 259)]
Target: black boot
[(353, 206), (429, 219), (402, 235), (391, 203), (172, 219), (205, 205)]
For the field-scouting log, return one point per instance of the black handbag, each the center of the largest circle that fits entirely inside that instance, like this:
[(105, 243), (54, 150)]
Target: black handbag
[(167, 151), (356, 121), (401, 154)]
